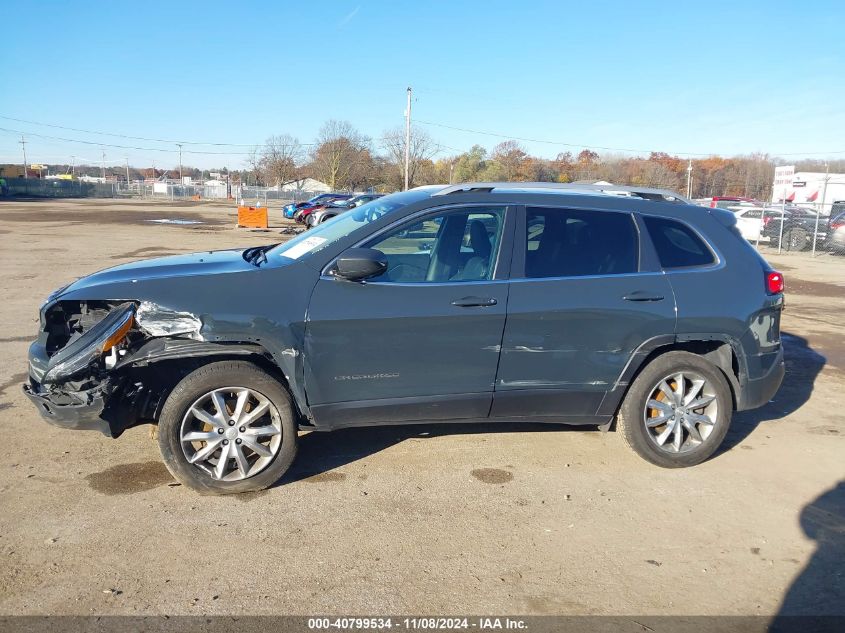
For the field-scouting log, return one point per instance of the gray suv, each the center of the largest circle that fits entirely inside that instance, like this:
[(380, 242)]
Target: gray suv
[(477, 302)]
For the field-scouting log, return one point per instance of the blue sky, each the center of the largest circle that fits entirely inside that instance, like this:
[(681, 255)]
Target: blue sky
[(715, 77)]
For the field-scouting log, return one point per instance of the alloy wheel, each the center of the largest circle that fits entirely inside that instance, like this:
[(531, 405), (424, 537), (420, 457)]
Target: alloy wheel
[(681, 412), (231, 433)]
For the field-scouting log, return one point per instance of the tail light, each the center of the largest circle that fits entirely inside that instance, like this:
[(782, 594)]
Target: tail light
[(766, 220), (774, 282), (834, 226)]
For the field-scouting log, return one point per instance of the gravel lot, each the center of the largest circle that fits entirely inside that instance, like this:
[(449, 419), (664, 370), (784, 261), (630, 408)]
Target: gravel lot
[(441, 520)]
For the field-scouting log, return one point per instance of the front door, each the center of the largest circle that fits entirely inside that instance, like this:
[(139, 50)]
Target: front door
[(580, 304), (420, 342)]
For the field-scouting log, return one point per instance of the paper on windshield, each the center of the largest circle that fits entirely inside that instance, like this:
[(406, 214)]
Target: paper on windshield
[(305, 246)]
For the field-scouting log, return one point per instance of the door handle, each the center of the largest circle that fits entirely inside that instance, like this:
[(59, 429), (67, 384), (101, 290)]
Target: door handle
[(641, 295), (475, 302)]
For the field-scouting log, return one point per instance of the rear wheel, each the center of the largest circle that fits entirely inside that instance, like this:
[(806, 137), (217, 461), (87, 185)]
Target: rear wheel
[(677, 411), (228, 427), (796, 239)]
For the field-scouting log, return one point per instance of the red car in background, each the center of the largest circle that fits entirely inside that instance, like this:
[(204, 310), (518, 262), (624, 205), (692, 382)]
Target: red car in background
[(304, 211), (723, 202)]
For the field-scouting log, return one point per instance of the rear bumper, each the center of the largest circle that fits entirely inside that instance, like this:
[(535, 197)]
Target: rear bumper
[(84, 414), (756, 393), (836, 241)]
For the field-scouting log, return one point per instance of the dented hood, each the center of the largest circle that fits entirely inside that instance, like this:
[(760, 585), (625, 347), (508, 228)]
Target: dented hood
[(160, 268)]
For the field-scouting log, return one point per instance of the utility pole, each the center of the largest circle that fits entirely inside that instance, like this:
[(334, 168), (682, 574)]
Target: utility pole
[(73, 166), (127, 173), (689, 179), (23, 145), (408, 139), (180, 163), (103, 167)]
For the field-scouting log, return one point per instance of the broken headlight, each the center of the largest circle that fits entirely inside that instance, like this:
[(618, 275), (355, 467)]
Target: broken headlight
[(88, 348)]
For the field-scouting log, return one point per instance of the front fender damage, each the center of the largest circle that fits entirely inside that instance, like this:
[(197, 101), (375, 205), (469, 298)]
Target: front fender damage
[(104, 365), (157, 321)]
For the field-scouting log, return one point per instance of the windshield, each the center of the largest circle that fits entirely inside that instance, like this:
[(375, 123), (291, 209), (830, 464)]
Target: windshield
[(329, 232)]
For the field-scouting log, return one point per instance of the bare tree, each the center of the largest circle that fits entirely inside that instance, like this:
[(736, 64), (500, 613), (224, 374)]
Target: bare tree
[(340, 154), (422, 150), (280, 159), (253, 164)]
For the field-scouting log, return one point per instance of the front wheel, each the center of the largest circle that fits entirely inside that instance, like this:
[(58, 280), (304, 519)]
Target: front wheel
[(228, 427), (677, 411)]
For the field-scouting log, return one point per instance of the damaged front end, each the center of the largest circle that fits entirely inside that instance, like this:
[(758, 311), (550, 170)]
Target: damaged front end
[(69, 364), (100, 365)]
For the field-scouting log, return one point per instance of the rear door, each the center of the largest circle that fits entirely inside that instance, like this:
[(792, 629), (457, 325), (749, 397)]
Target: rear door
[(582, 299)]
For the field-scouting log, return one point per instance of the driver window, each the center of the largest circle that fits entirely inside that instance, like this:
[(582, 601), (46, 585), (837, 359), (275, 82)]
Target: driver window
[(457, 245)]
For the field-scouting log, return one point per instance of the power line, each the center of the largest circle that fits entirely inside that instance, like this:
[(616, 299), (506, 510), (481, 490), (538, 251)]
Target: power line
[(126, 136), (610, 149), (144, 149)]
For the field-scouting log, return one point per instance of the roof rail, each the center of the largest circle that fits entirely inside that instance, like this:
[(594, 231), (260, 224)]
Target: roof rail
[(659, 195)]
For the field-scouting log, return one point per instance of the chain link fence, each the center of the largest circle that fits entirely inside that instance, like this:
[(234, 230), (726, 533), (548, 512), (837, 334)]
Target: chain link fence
[(174, 191), (785, 228), (780, 228), (37, 188)]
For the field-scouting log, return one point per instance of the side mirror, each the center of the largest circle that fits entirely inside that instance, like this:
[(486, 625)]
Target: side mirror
[(357, 264)]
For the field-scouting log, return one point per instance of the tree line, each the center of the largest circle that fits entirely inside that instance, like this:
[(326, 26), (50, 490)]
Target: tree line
[(346, 159)]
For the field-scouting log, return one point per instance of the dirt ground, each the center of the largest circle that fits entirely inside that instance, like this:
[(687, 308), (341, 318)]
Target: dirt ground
[(437, 520)]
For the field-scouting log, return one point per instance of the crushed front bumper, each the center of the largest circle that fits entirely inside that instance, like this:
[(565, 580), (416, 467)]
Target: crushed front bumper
[(81, 411)]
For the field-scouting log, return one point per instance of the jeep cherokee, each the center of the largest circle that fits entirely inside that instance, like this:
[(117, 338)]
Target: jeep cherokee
[(477, 302)]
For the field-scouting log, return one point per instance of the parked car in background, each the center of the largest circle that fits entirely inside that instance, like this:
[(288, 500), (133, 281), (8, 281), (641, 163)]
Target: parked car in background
[(799, 225), (336, 207), (751, 220), (305, 211), (479, 302), (836, 229), (290, 210), (723, 202)]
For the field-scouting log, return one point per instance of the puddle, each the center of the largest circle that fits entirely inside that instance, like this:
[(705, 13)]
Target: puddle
[(823, 430), (813, 288), (492, 475), (127, 479), (15, 380), (174, 221), (152, 251)]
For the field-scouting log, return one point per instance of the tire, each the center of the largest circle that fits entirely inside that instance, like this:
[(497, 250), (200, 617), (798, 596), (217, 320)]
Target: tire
[(796, 240), (265, 415), (631, 421)]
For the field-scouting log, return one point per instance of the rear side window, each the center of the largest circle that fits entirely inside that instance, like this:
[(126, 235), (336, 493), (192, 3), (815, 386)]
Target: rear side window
[(676, 244), (575, 243)]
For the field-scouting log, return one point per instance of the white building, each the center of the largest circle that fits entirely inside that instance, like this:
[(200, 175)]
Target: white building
[(309, 184), (807, 188)]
